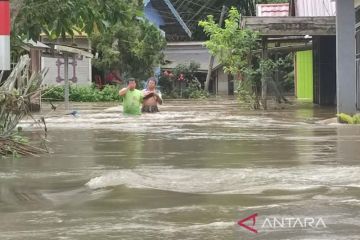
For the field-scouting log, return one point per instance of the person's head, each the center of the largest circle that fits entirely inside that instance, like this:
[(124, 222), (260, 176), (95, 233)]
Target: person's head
[(151, 83), (131, 83)]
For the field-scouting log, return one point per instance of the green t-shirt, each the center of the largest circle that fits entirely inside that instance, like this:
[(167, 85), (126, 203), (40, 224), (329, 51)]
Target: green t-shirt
[(132, 101)]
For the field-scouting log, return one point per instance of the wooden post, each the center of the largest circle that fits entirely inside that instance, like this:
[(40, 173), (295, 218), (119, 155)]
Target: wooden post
[(66, 81), (35, 56), (264, 75), (211, 61)]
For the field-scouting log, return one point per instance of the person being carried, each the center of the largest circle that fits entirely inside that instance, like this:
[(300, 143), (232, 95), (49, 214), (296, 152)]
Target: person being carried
[(152, 97), (132, 98)]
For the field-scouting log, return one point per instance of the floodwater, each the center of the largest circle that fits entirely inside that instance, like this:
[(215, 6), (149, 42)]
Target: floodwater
[(190, 172)]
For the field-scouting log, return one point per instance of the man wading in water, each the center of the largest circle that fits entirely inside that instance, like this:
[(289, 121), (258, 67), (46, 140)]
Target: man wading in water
[(132, 98), (152, 97)]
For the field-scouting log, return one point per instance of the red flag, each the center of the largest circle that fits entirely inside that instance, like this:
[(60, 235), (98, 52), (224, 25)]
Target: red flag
[(4, 17), (4, 35)]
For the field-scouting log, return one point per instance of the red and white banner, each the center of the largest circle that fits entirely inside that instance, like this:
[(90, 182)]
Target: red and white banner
[(4, 35)]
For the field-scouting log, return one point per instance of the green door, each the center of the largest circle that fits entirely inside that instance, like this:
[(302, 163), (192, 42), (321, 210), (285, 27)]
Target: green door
[(304, 75)]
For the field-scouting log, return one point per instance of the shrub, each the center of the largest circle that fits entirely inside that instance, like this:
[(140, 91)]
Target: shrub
[(182, 82), (356, 119), (83, 94), (345, 118)]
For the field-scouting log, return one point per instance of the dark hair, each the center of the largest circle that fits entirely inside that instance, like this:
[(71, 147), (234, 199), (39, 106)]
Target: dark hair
[(130, 80), (151, 79)]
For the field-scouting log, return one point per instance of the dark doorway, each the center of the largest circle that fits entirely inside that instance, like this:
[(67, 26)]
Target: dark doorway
[(231, 85), (324, 55)]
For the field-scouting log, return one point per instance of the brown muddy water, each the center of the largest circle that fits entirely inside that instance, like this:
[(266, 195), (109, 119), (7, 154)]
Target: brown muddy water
[(190, 172)]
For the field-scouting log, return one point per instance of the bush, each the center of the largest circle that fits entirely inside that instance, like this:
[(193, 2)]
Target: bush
[(182, 82), (356, 119), (193, 90), (345, 118), (83, 94), (54, 93)]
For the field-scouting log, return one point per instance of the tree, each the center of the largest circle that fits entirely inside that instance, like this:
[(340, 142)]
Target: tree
[(235, 49), (191, 11), (56, 18), (133, 47), (119, 33)]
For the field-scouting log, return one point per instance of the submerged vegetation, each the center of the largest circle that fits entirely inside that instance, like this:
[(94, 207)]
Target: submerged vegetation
[(345, 118), (16, 95)]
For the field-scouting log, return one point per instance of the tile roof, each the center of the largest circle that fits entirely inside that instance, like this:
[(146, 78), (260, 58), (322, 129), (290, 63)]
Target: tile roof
[(272, 10)]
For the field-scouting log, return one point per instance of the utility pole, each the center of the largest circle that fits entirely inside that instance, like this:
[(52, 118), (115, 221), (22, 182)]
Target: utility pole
[(66, 81), (211, 61), (265, 75), (345, 57)]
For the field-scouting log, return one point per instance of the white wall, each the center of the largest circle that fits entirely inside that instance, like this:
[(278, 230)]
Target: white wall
[(222, 83), (56, 71), (82, 72), (315, 8)]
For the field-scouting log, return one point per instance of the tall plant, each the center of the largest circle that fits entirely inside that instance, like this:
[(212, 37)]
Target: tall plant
[(236, 49), (234, 46)]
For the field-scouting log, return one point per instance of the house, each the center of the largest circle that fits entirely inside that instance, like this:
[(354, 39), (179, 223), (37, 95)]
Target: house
[(179, 19), (185, 52), (179, 50), (38, 51), (305, 68), (317, 68), (272, 10), (80, 71), (164, 15), (302, 59), (333, 46), (336, 67)]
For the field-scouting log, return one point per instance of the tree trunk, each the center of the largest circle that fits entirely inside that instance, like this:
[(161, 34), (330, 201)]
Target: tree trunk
[(15, 7)]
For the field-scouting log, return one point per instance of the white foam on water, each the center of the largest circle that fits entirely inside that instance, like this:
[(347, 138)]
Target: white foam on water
[(355, 202), (4, 175), (155, 227), (165, 121), (180, 209), (311, 138), (229, 181)]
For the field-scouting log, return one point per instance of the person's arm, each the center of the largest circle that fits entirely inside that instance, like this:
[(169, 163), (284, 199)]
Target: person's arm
[(142, 95), (158, 97), (123, 91), (116, 81)]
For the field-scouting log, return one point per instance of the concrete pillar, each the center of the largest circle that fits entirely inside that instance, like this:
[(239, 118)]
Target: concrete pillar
[(345, 47)]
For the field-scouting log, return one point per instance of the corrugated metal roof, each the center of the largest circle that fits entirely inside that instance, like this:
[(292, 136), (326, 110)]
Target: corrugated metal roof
[(272, 10), (146, 2), (315, 8)]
